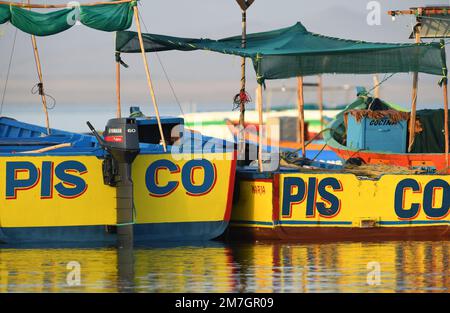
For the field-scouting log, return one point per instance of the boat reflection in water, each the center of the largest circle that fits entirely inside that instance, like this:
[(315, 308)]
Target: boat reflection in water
[(404, 267)]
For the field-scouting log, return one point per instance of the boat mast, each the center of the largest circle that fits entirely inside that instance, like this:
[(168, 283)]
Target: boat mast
[(41, 80), (244, 4), (149, 80)]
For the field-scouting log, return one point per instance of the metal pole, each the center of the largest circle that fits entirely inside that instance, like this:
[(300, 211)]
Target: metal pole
[(301, 114), (149, 80)]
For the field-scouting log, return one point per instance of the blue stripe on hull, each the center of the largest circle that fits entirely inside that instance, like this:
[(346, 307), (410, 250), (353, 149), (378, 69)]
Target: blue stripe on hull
[(98, 235), (188, 231)]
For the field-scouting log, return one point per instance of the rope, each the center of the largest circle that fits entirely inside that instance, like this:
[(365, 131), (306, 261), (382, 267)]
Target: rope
[(164, 70), (369, 92), (39, 89), (9, 70), (386, 77), (291, 156)]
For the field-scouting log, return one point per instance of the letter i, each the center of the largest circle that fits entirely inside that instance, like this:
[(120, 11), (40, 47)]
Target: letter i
[(47, 180)]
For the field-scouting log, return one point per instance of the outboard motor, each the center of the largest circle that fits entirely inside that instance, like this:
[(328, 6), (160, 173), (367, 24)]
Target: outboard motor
[(121, 141)]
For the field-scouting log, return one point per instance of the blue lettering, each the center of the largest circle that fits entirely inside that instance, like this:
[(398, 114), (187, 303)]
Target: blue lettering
[(151, 178), (289, 197), (335, 203), (399, 201), (78, 185), (13, 183), (428, 199), (187, 177)]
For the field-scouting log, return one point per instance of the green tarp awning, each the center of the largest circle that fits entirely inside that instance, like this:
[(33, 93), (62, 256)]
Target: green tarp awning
[(294, 51), (105, 17)]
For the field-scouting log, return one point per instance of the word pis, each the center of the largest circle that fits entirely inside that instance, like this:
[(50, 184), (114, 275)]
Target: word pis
[(71, 185), (296, 191)]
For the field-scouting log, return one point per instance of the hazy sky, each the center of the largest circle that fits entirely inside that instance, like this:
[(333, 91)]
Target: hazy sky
[(79, 65)]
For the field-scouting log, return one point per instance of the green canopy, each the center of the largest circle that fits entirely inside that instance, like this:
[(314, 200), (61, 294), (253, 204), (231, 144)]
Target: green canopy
[(106, 17), (294, 51)]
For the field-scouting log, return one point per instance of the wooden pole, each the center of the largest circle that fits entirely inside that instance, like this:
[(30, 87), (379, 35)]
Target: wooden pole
[(149, 80), (320, 98), (301, 114), (376, 86), (241, 140), (446, 125), (420, 11), (41, 81), (260, 126), (244, 5), (412, 119), (119, 109), (59, 6)]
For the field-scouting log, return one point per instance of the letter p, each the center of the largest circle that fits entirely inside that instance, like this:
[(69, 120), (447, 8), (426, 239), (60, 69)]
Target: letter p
[(292, 196), (14, 182)]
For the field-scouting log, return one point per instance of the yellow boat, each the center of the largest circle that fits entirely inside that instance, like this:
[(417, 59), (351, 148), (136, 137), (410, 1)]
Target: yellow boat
[(135, 182), (320, 206)]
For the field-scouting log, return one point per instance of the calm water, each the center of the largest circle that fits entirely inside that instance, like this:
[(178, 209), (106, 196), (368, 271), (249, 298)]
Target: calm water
[(215, 267)]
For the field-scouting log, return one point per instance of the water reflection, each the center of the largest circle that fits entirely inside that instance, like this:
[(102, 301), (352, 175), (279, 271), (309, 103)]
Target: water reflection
[(215, 267)]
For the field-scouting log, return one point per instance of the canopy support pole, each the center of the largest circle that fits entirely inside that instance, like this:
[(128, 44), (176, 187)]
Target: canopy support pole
[(149, 80), (446, 124), (60, 6), (259, 105), (320, 98), (412, 119), (376, 86), (41, 80), (119, 109), (244, 5), (241, 144), (301, 114)]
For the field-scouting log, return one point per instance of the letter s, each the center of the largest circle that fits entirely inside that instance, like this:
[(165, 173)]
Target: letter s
[(78, 185)]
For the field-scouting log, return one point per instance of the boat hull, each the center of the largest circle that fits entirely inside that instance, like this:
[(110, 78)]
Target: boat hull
[(340, 207), (434, 161), (62, 198), (106, 235)]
